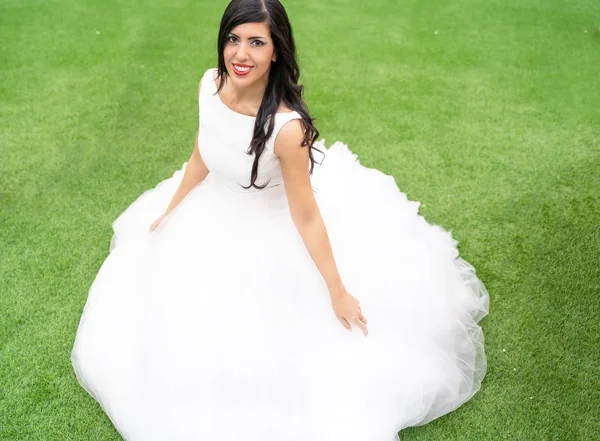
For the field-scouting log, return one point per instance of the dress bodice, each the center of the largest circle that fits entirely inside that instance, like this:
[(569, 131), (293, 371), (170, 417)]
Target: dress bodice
[(224, 140)]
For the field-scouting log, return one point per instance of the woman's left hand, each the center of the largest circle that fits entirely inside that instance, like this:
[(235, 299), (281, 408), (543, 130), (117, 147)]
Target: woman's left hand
[(347, 309)]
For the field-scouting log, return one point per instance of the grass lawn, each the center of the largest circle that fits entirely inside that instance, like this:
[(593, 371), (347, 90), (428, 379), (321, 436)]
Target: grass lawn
[(488, 112)]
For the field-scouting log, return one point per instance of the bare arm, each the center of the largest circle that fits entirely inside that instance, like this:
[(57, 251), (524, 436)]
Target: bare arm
[(195, 172), (294, 161)]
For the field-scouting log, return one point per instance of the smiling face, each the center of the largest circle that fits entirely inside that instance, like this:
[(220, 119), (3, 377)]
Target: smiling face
[(248, 53)]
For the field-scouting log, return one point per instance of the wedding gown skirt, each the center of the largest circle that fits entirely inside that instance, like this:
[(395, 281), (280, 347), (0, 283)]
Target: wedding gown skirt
[(218, 325)]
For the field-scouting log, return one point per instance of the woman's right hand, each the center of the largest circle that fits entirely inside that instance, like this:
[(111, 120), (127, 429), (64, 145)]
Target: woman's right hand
[(347, 309), (157, 222)]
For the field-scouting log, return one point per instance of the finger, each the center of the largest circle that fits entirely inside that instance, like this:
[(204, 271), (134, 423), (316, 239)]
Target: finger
[(363, 319), (346, 324), (362, 326), (364, 329)]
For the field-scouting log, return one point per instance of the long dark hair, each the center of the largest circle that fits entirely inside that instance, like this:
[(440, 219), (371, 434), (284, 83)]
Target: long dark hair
[(283, 75)]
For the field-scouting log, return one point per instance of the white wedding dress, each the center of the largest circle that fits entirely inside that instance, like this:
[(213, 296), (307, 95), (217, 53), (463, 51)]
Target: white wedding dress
[(219, 327)]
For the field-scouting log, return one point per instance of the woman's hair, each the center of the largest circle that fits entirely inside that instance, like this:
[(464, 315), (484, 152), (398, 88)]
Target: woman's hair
[(283, 77)]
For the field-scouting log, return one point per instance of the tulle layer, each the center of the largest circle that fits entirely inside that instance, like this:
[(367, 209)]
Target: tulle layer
[(218, 325)]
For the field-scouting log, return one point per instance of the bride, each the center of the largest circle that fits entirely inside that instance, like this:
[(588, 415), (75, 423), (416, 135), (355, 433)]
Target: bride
[(274, 289)]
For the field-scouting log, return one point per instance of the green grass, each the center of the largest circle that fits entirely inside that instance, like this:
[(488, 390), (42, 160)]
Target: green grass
[(493, 124)]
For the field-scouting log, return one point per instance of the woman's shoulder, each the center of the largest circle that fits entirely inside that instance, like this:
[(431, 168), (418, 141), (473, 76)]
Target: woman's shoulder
[(284, 109), (206, 77), (209, 74)]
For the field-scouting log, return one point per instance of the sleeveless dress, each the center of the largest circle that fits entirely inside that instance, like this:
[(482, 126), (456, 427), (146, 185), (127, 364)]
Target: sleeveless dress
[(218, 325)]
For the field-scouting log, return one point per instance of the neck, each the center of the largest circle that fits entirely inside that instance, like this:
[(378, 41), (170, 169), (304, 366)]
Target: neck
[(252, 94)]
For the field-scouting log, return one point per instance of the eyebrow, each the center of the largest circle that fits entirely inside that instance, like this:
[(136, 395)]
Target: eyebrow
[(249, 38)]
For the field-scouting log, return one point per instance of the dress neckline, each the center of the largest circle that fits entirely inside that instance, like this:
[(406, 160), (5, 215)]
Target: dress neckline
[(229, 108)]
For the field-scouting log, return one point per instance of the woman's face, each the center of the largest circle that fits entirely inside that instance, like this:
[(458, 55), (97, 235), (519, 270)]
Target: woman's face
[(248, 53)]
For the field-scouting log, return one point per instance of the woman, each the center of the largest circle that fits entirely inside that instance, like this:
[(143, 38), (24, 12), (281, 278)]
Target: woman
[(231, 319)]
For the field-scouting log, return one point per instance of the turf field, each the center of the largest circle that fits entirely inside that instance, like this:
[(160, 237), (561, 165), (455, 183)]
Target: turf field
[(488, 112)]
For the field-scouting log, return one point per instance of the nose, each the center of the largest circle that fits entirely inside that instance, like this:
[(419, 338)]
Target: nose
[(242, 53)]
